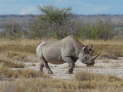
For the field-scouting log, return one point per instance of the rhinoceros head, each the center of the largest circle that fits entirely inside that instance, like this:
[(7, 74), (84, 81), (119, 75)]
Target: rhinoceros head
[(86, 56)]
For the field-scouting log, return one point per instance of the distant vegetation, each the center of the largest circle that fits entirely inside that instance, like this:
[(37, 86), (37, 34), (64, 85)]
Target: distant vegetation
[(58, 23), (100, 30), (55, 22)]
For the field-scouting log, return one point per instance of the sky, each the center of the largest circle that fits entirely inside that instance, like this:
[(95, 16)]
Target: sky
[(85, 7)]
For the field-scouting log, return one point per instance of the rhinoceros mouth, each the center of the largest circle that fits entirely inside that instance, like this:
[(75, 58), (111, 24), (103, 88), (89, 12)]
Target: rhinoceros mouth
[(90, 65)]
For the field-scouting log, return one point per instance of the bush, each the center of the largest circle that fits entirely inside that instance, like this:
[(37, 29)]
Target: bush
[(13, 29), (54, 22), (58, 23), (99, 30)]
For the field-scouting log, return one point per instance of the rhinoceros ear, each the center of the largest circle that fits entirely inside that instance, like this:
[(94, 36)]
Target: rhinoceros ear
[(88, 49), (85, 49)]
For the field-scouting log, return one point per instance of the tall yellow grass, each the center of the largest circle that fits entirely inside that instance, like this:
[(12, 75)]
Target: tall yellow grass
[(111, 47), (19, 49)]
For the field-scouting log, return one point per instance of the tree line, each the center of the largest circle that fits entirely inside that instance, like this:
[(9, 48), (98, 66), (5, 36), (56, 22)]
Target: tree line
[(57, 23)]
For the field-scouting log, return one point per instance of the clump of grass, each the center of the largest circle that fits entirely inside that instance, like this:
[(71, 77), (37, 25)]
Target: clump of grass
[(24, 74), (97, 83), (3, 68), (28, 73), (21, 56), (19, 45), (54, 85), (44, 85), (14, 54), (86, 76), (10, 63)]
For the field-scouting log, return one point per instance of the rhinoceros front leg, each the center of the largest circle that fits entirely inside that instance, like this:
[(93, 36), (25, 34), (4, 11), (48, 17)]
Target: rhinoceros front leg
[(71, 68), (42, 64), (71, 64)]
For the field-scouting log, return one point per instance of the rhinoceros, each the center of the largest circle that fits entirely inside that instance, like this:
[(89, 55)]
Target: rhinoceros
[(67, 50)]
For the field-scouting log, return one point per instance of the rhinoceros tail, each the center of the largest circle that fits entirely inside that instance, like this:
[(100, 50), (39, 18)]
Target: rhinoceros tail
[(39, 49)]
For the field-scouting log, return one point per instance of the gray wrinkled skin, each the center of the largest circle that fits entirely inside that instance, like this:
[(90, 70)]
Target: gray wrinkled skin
[(67, 50)]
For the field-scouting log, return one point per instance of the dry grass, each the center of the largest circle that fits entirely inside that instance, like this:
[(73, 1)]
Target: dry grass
[(26, 73), (19, 49), (12, 52), (21, 56), (111, 48), (84, 76), (10, 63), (18, 45), (27, 46), (96, 84)]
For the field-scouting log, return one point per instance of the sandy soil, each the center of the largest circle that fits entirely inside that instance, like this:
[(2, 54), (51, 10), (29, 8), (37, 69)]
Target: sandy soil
[(103, 66)]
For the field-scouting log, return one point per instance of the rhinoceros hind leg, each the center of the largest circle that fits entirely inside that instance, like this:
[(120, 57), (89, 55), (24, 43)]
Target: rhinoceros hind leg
[(41, 67), (47, 66), (50, 72)]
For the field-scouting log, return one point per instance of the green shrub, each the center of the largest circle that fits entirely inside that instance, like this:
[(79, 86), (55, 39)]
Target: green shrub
[(99, 30), (55, 22)]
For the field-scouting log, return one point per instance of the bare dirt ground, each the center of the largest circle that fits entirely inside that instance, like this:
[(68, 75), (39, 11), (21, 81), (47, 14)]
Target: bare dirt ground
[(102, 66)]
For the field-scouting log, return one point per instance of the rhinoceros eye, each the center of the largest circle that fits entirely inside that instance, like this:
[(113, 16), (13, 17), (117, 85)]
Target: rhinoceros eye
[(90, 49)]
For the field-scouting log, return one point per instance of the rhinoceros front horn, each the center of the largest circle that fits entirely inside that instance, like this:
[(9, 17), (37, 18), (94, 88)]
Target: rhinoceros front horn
[(94, 57), (92, 61)]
